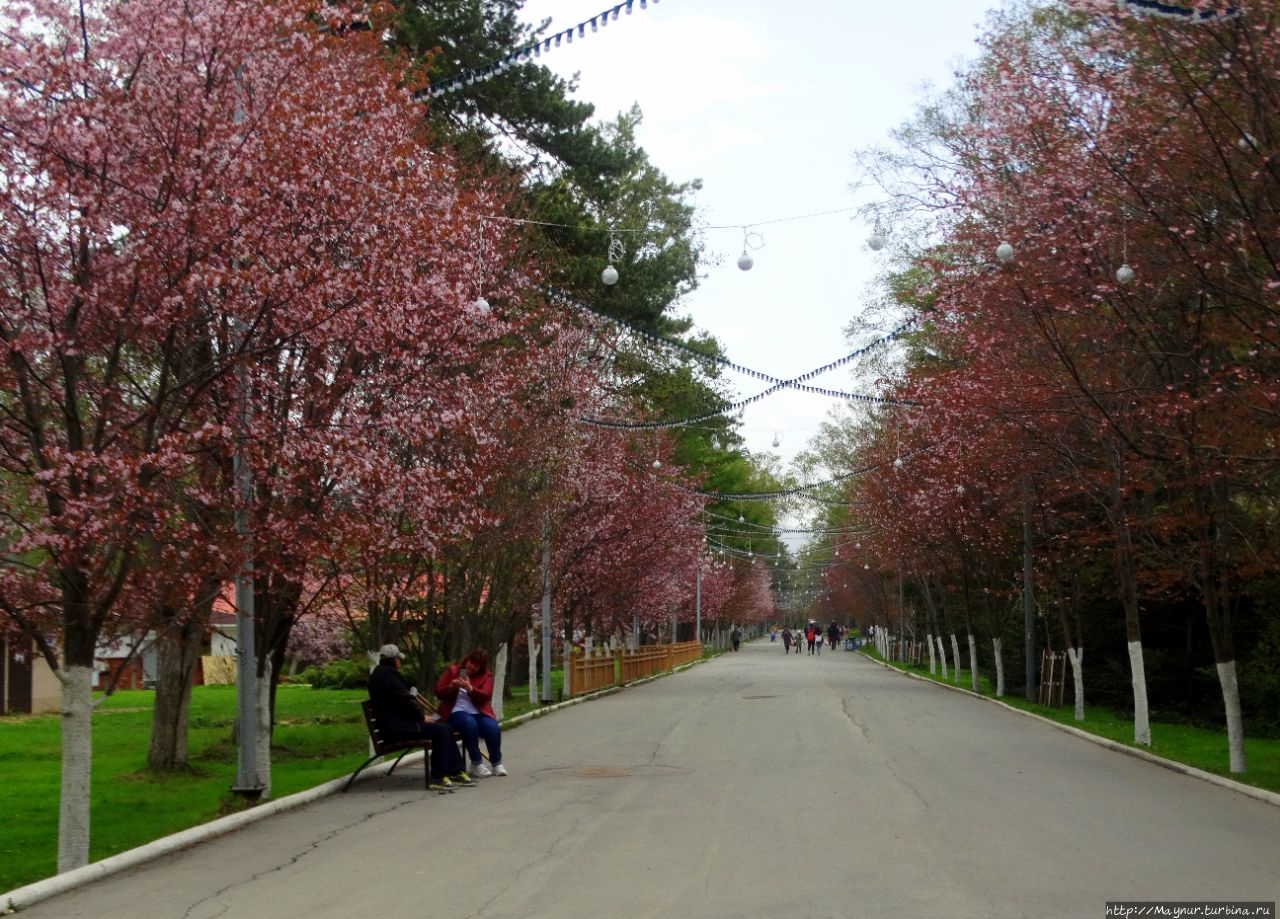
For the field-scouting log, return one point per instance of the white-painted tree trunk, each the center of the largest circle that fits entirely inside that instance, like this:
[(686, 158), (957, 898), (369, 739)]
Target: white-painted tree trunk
[(77, 757), (567, 691), (998, 645), (531, 641), (499, 680), (973, 662), (933, 659), (1138, 676), (262, 755), (955, 658), (1076, 656), (942, 655), (1235, 725)]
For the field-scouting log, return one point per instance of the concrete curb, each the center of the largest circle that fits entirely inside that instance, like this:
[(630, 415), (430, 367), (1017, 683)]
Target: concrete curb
[(22, 897), (31, 894), (1260, 794)]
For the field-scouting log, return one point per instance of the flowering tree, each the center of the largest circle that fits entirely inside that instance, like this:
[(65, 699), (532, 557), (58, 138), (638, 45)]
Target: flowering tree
[(219, 242)]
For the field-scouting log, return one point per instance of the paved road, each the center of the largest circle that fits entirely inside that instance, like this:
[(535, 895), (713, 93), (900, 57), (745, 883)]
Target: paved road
[(756, 785)]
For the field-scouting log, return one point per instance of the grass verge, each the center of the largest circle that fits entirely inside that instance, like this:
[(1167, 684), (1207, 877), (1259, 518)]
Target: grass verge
[(1180, 743), (319, 736)]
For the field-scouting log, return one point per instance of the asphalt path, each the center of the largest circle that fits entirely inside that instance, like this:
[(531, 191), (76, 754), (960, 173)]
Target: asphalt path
[(754, 785)]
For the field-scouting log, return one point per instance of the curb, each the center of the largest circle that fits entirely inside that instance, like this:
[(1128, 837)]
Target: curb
[(31, 894), (21, 897), (1259, 794)]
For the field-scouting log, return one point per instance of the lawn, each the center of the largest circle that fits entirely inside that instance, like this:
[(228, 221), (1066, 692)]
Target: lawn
[(1192, 746), (319, 736)]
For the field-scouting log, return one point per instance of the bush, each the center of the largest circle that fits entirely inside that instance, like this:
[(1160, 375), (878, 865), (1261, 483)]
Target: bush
[(347, 674)]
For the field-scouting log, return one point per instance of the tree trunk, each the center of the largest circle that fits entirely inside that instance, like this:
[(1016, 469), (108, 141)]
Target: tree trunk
[(77, 757), (955, 658), (531, 639), (1235, 727), (973, 662), (1218, 617), (996, 644), (499, 679), (1129, 598), (942, 656), (1076, 656), (177, 653), (262, 753), (933, 661)]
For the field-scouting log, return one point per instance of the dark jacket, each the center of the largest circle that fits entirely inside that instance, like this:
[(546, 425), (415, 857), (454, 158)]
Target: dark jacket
[(392, 702)]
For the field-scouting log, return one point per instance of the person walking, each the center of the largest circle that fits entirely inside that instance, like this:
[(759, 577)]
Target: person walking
[(786, 642), (736, 637)]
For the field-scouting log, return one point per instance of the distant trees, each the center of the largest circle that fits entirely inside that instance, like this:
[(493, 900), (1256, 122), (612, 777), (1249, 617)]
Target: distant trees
[(1100, 294)]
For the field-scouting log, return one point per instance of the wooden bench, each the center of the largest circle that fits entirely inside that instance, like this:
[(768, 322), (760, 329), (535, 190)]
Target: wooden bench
[(385, 747)]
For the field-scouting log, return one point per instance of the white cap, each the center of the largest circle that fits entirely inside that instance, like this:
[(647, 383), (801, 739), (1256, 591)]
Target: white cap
[(391, 651)]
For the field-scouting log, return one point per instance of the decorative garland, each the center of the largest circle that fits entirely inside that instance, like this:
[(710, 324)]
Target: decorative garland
[(788, 493), (530, 51), (796, 383), (1170, 11)]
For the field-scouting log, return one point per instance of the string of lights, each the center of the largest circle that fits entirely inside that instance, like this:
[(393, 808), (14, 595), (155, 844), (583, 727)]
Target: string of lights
[(527, 52)]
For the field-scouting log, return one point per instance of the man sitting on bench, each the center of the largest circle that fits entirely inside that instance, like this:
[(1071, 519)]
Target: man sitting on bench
[(400, 715)]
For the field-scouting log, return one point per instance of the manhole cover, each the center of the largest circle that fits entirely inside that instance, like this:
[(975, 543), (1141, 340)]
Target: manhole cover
[(602, 772)]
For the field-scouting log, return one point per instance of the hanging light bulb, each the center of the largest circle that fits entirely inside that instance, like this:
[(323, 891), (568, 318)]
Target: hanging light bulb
[(1124, 274), (745, 261), (481, 306), (777, 440), (876, 241), (1004, 251), (897, 464), (616, 252), (657, 464)]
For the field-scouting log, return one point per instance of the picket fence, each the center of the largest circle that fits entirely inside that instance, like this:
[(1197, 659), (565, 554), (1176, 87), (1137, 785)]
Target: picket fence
[(601, 669)]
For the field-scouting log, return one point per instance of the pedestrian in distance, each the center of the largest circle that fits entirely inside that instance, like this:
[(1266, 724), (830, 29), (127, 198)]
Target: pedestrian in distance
[(736, 637), (786, 642), (401, 717)]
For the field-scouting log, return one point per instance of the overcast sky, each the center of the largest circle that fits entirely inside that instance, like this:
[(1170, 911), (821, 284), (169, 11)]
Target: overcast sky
[(766, 103)]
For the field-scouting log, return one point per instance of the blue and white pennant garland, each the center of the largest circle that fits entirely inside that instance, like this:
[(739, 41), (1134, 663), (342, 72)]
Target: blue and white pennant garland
[(529, 52), (1173, 11)]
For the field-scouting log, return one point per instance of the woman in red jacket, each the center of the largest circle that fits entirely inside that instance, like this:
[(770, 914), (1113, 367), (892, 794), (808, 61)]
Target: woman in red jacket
[(465, 690)]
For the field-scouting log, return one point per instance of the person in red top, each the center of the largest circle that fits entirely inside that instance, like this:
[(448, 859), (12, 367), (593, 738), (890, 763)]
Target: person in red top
[(465, 690)]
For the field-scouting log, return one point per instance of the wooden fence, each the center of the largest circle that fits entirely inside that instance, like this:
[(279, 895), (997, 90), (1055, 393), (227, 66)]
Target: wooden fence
[(1053, 669), (602, 669)]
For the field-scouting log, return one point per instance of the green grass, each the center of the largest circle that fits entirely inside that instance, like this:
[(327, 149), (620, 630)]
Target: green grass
[(1192, 746), (319, 736)]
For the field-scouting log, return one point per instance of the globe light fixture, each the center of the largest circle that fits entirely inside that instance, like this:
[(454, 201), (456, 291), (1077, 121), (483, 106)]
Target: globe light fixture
[(1124, 274), (609, 275), (1004, 251), (745, 261), (875, 242)]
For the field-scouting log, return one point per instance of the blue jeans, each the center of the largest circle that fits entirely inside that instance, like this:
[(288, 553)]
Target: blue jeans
[(472, 728)]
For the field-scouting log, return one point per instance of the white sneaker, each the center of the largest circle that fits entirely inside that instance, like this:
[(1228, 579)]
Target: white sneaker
[(480, 770), (499, 769)]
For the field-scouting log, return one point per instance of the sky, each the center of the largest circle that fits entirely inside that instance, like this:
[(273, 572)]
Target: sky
[(767, 103)]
